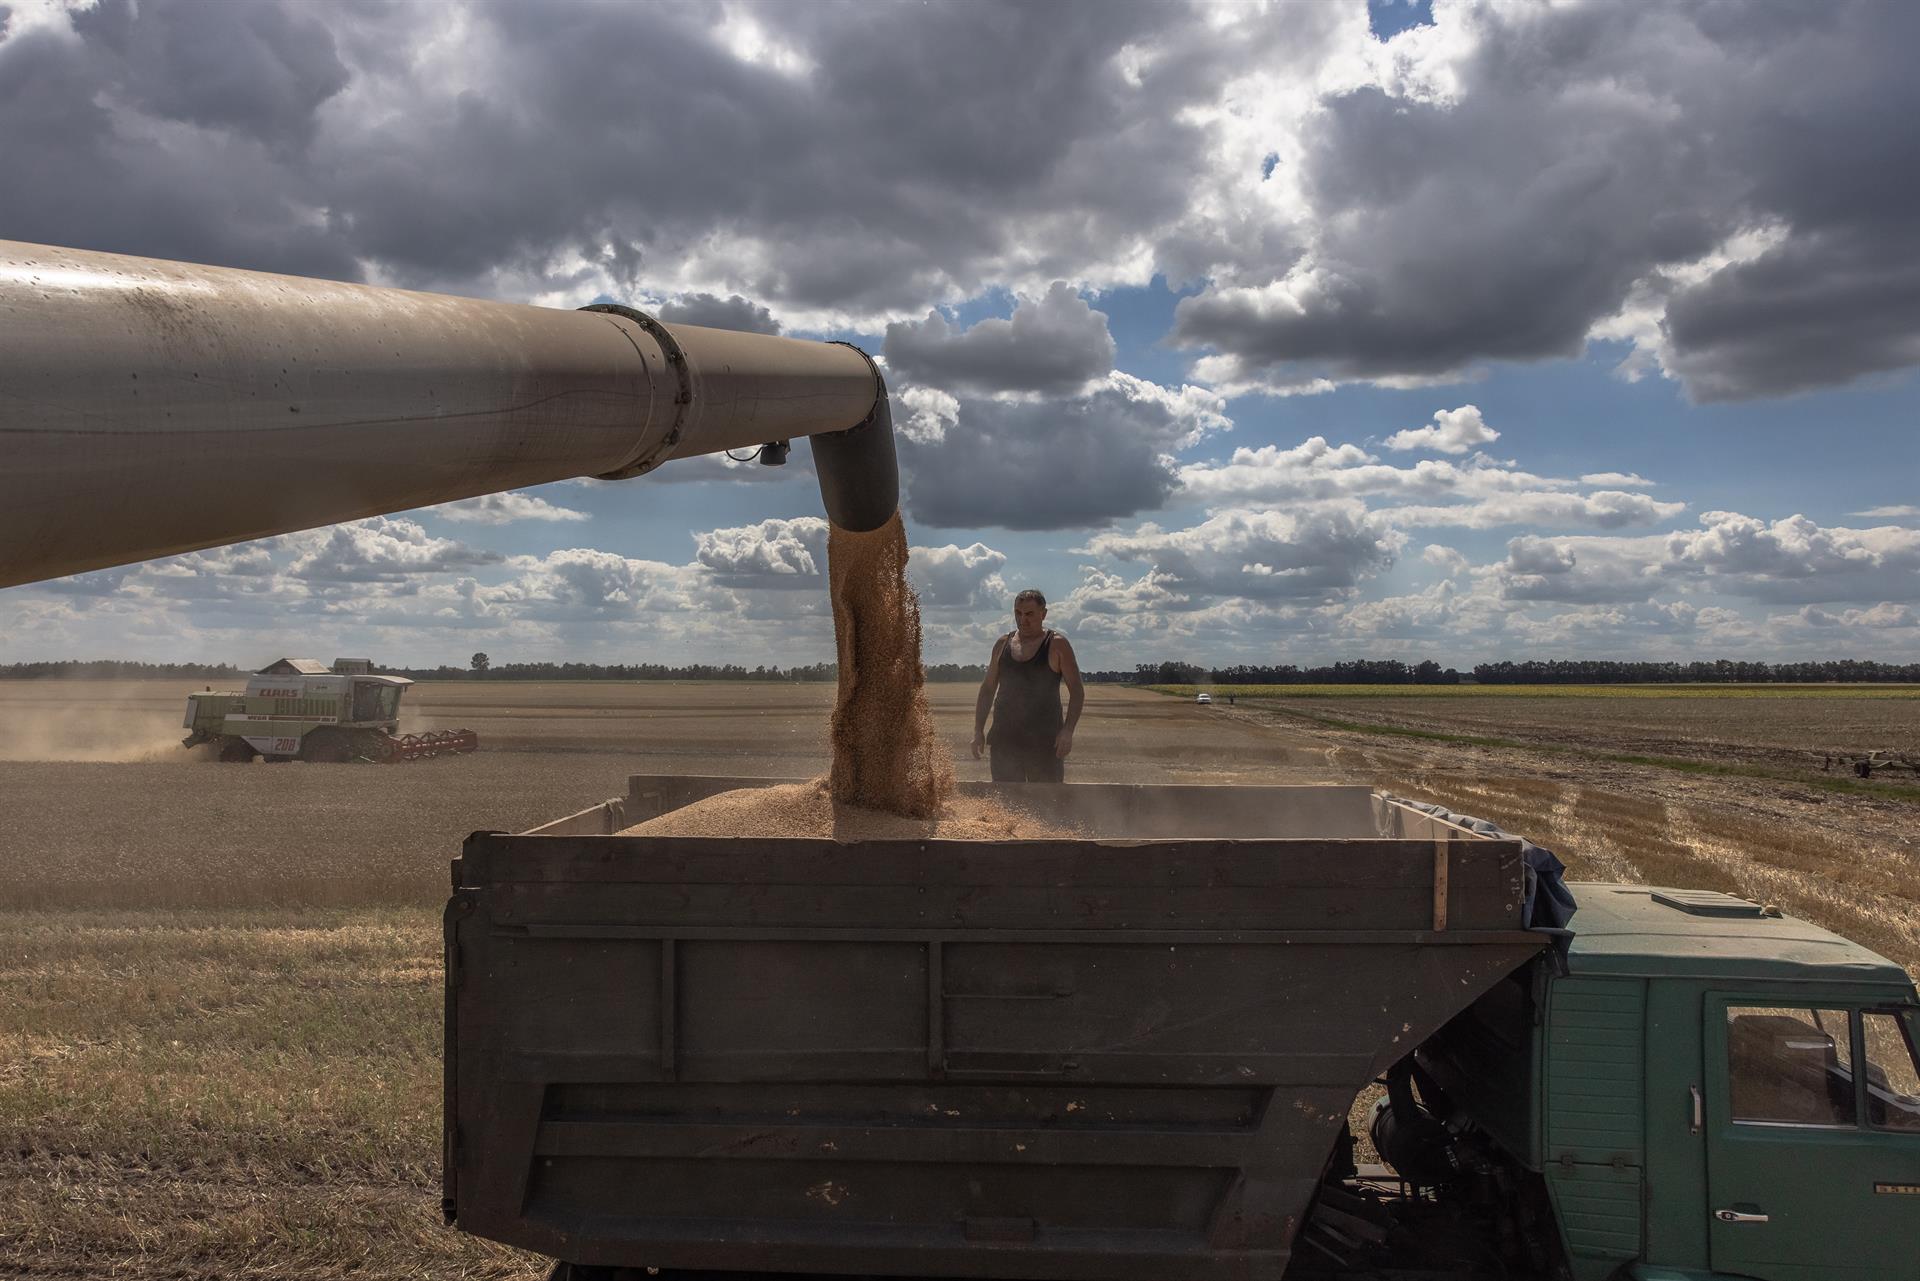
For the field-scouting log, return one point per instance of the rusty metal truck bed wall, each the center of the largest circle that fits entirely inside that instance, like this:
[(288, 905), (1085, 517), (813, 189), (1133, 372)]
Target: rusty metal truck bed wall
[(1018, 1059)]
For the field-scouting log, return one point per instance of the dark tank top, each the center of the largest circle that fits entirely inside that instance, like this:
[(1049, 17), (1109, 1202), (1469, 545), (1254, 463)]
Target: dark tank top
[(1026, 706)]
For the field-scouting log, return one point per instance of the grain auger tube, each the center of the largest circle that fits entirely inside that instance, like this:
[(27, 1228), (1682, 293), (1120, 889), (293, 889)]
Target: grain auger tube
[(149, 408)]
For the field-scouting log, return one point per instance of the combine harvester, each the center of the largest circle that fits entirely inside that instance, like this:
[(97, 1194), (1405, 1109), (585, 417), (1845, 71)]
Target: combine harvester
[(1128, 1056), (299, 709)]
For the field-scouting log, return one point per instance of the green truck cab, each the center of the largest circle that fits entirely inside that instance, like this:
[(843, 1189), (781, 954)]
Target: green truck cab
[(1704, 1088)]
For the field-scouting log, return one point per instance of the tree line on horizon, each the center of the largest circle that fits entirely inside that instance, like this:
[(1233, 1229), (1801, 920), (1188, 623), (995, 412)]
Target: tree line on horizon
[(1562, 671), (1365, 671), (1554, 671)]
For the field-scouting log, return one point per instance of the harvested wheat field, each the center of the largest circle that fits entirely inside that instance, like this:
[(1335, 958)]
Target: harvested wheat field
[(1710, 787), (1786, 730), (220, 1055)]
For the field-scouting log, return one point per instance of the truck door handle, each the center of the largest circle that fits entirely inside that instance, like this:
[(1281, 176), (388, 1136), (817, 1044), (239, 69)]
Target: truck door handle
[(1699, 1110), (1738, 1216)]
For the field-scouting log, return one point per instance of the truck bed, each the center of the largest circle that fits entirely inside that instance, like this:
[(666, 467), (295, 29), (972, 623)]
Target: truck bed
[(1123, 1056)]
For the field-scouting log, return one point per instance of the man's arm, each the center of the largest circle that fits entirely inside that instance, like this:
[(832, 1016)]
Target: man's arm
[(983, 703), (1069, 669)]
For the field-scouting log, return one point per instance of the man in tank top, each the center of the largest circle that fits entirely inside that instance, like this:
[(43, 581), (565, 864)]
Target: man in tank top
[(1030, 737)]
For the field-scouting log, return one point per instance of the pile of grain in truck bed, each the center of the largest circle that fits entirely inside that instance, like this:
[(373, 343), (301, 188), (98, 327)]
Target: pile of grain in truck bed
[(809, 810)]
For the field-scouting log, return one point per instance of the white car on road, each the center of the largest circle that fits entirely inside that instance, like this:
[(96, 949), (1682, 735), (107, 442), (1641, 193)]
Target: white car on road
[(1204, 698)]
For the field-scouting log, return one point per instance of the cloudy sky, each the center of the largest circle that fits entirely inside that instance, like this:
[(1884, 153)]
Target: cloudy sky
[(1248, 333)]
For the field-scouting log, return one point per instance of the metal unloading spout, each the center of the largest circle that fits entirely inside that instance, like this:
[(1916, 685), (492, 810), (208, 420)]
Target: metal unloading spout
[(149, 408)]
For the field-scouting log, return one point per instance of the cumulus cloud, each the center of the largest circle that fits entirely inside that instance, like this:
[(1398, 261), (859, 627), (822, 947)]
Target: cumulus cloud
[(1676, 629), (587, 578), (1054, 344), (1442, 612), (1057, 143), (1445, 559), (180, 135), (1317, 553), (1487, 493), (1315, 469), (1796, 559), (1603, 509), (1884, 615), (284, 586), (929, 412), (959, 578), (1623, 153), (772, 553), (504, 509), (1103, 592), (382, 547), (1080, 461), (1454, 431), (1574, 571), (1347, 209), (715, 312), (1539, 556)]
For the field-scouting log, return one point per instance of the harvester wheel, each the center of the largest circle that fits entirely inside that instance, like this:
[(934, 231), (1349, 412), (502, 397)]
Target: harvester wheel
[(236, 751), (1863, 768), (326, 747)]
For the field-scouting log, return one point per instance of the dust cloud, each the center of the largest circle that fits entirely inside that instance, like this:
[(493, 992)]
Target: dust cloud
[(94, 734)]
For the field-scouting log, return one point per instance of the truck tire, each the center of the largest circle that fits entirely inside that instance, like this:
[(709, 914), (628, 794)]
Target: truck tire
[(236, 751), (326, 747)]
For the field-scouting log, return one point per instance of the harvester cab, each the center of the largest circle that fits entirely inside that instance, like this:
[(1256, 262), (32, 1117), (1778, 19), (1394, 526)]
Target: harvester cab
[(298, 708)]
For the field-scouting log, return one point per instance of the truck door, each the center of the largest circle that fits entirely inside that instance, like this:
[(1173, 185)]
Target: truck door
[(1813, 1139)]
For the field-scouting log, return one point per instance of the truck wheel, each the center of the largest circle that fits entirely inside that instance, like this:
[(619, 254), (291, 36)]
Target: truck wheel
[(236, 751), (326, 747)]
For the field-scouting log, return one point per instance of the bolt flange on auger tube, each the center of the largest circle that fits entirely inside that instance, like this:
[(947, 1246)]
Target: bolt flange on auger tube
[(149, 408)]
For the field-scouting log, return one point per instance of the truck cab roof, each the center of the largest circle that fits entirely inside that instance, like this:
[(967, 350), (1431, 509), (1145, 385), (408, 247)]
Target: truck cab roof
[(1650, 931)]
